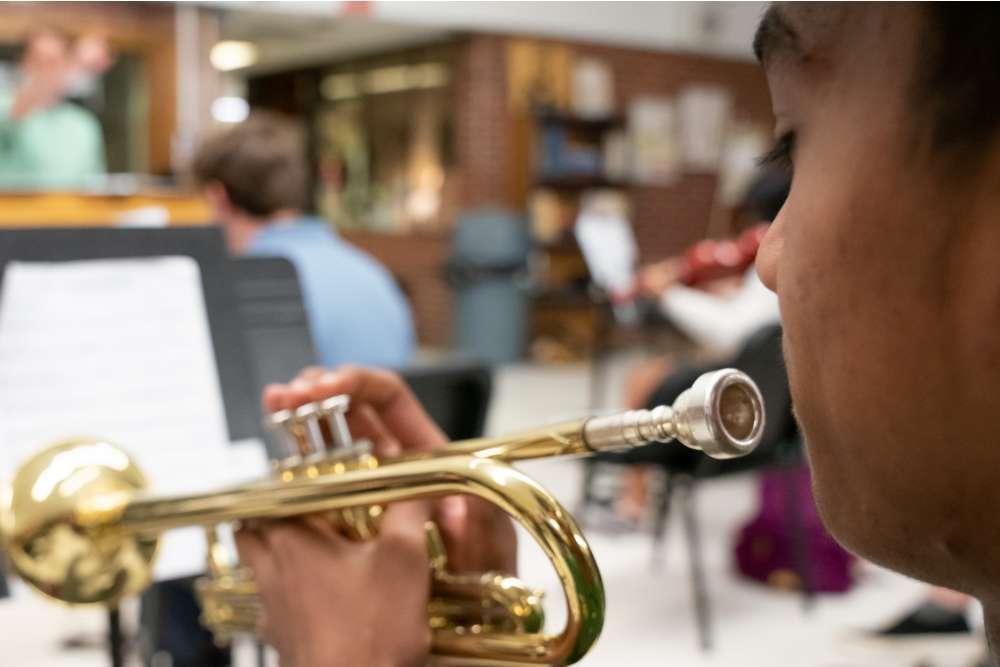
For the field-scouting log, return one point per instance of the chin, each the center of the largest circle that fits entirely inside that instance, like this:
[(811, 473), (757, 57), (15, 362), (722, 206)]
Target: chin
[(839, 490), (869, 524)]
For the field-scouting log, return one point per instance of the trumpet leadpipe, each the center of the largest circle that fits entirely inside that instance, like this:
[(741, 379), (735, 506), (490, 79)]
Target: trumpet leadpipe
[(721, 414)]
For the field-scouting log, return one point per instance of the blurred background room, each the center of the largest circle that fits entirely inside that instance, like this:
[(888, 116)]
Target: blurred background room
[(532, 210)]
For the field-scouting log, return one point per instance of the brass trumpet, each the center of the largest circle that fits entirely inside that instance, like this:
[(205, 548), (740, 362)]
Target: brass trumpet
[(78, 526)]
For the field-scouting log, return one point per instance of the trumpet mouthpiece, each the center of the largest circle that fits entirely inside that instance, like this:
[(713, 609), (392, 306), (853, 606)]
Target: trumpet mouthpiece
[(722, 414)]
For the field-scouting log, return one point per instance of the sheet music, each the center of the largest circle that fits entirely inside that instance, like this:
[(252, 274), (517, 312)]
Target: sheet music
[(608, 246), (119, 349)]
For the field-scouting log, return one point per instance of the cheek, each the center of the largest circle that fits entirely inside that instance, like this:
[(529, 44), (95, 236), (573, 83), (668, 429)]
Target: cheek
[(860, 354), (831, 308), (814, 336)]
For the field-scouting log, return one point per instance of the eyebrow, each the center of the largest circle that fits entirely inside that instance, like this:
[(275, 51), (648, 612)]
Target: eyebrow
[(774, 35)]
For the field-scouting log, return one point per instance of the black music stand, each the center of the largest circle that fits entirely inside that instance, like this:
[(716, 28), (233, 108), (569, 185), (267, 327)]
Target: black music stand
[(204, 245), (274, 329)]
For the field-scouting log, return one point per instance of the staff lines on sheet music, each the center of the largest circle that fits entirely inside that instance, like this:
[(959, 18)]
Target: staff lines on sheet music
[(117, 349)]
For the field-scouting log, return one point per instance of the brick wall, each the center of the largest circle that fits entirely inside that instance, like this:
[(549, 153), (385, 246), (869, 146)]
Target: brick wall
[(481, 122), (478, 178), (666, 218)]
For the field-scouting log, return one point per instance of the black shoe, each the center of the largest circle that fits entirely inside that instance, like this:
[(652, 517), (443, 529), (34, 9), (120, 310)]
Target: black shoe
[(927, 619)]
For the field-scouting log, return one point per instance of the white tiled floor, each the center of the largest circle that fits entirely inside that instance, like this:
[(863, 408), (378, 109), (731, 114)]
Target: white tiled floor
[(649, 613)]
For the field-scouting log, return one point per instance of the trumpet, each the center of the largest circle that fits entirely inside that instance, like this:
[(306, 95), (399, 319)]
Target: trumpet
[(79, 527)]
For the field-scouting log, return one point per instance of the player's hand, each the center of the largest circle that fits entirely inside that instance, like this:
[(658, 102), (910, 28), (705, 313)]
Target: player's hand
[(332, 602), (478, 536)]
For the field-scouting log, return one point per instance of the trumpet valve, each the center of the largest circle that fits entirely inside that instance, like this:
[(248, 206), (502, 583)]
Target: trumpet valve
[(312, 432)]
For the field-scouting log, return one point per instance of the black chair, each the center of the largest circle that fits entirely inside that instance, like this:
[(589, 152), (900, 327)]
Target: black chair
[(455, 394), (683, 468)]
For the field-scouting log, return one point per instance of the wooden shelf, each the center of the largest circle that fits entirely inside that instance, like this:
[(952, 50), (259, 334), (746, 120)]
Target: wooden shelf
[(575, 183), (601, 124), (75, 209), (564, 296), (565, 243)]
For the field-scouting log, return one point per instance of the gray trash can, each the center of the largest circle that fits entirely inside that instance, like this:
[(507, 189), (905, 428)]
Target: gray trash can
[(488, 269)]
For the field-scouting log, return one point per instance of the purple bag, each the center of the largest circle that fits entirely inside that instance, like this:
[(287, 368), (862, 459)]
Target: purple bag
[(765, 549)]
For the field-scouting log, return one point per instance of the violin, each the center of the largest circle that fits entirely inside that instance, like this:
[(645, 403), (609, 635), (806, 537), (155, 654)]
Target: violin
[(701, 263), (712, 259)]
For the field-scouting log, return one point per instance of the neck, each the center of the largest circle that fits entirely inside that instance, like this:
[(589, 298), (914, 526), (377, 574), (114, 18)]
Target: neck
[(240, 230), (284, 215)]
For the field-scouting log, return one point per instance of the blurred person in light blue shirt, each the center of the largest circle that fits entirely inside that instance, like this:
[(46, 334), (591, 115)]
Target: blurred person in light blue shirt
[(254, 179)]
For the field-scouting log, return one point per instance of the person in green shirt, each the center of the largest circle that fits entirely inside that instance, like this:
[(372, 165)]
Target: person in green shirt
[(46, 142)]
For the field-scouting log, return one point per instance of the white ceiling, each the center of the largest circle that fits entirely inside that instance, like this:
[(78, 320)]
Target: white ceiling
[(304, 33)]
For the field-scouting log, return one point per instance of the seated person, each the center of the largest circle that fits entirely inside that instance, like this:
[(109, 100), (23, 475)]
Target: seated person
[(386, 629), (884, 261), (723, 308), (720, 316), (254, 179)]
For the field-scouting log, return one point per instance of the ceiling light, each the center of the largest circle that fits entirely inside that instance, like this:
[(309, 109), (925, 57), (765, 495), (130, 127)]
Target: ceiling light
[(230, 55), (230, 109)]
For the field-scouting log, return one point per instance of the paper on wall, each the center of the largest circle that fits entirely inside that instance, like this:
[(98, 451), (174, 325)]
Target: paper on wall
[(705, 112)]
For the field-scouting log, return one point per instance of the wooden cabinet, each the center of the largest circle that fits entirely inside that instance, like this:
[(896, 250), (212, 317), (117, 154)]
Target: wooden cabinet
[(73, 209)]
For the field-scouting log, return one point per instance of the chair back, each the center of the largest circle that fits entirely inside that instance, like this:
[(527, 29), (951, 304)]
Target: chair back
[(456, 395)]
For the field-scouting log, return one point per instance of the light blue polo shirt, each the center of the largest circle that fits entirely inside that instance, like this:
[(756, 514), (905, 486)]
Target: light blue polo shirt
[(357, 313)]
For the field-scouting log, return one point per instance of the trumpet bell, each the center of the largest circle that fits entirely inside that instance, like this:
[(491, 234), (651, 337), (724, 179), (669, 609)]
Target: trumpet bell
[(58, 518)]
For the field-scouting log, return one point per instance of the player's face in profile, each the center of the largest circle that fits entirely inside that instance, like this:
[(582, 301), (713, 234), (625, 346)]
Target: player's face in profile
[(871, 267)]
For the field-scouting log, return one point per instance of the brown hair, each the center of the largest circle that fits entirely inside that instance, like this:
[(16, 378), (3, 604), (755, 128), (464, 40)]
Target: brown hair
[(958, 76), (261, 163)]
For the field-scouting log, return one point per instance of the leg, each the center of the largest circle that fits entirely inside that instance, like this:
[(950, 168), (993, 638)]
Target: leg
[(802, 558), (698, 588), (115, 639), (634, 496), (587, 497), (661, 517), (644, 379)]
